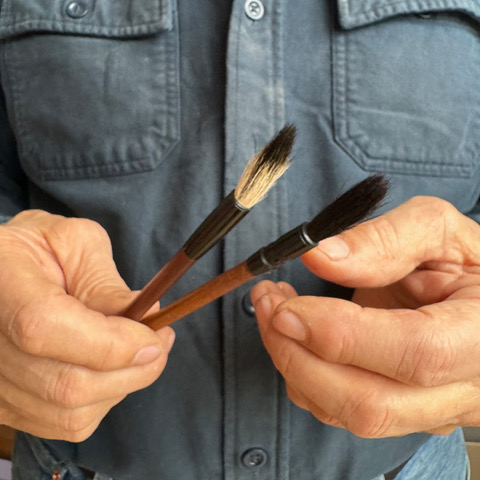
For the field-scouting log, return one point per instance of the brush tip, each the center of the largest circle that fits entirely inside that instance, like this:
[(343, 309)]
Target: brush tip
[(354, 206), (265, 168)]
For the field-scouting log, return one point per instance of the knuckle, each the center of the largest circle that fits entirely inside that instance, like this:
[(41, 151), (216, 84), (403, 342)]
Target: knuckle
[(324, 417), (102, 359), (74, 224), (67, 389), (77, 423), (61, 235), (97, 234), (28, 216), (80, 436), (428, 359), (336, 344), (383, 235), (444, 221), (368, 416), (437, 205), (296, 398), (27, 329)]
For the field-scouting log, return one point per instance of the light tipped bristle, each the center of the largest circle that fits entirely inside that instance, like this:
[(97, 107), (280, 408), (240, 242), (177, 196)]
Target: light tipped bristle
[(351, 208), (265, 168)]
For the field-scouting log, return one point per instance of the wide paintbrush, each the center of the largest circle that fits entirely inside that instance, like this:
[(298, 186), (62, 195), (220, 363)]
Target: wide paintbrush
[(349, 209), (260, 174)]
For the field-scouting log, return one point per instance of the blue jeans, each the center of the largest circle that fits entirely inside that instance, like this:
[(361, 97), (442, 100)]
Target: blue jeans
[(440, 458), (33, 460)]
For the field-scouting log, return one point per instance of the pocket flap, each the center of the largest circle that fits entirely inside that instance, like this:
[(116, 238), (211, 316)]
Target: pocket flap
[(358, 13), (115, 18)]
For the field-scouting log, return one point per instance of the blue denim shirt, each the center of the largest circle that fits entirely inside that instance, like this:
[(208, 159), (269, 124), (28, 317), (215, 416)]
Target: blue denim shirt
[(142, 114)]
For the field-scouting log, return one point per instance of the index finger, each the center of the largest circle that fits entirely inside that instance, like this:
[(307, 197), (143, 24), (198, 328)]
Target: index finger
[(396, 243), (42, 319), (430, 346)]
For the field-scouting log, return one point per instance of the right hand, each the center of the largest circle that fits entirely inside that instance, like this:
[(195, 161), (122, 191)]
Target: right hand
[(65, 358)]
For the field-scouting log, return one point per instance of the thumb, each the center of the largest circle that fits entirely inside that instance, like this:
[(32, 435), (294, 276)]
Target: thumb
[(386, 249)]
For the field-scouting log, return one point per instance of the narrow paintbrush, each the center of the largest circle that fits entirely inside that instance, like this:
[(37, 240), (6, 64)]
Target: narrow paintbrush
[(352, 207), (260, 174)]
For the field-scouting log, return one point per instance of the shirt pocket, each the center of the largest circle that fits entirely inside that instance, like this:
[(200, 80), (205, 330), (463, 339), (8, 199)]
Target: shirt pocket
[(92, 87), (405, 87)]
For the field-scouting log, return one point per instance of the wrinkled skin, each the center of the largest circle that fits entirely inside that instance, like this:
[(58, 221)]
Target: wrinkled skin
[(404, 355), (65, 358)]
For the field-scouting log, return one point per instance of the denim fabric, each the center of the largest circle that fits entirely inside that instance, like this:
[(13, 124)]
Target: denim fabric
[(36, 461), (142, 72), (440, 458), (384, 117), (142, 116)]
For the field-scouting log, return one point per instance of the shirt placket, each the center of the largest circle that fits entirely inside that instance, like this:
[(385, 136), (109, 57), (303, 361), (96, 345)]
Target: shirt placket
[(256, 412)]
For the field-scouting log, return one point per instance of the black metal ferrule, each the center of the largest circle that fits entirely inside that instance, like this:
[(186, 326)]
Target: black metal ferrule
[(289, 246), (228, 213)]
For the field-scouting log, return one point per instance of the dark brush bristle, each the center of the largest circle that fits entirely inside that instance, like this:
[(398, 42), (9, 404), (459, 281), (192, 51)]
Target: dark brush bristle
[(280, 146), (351, 208), (268, 165)]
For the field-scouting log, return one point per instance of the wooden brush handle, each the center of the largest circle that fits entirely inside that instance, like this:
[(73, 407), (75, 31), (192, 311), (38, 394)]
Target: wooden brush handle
[(210, 291), (159, 285)]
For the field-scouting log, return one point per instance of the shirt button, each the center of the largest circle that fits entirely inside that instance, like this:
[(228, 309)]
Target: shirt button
[(77, 9), (254, 458), (254, 9), (247, 305)]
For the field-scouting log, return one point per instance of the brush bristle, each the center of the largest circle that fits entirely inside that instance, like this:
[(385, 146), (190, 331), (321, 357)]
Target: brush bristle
[(351, 208), (265, 168)]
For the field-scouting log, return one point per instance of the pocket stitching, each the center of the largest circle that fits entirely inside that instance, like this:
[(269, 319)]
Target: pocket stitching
[(399, 7), (397, 164), (164, 125), (11, 23)]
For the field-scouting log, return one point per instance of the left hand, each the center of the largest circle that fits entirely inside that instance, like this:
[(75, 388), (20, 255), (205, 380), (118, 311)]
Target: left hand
[(404, 355)]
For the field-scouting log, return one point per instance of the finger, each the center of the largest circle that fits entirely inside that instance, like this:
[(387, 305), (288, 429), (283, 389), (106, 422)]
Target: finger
[(72, 386), (59, 327), (41, 318), (305, 403), (266, 297), (368, 404), (287, 289), (431, 346), (266, 286), (43, 421), (297, 398), (446, 430), (422, 229)]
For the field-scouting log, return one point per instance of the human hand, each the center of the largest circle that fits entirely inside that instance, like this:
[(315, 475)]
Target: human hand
[(404, 355), (65, 358)]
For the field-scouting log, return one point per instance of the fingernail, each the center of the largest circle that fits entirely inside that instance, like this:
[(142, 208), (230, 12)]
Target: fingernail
[(263, 306), (335, 248), (146, 355), (290, 325)]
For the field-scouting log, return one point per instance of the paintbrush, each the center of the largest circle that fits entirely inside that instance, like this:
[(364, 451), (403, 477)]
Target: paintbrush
[(260, 174), (353, 206)]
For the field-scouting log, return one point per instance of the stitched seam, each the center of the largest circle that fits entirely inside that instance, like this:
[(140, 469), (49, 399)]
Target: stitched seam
[(375, 13)]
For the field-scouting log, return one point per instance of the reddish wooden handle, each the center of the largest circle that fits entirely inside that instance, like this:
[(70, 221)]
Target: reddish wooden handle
[(210, 291), (159, 285)]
